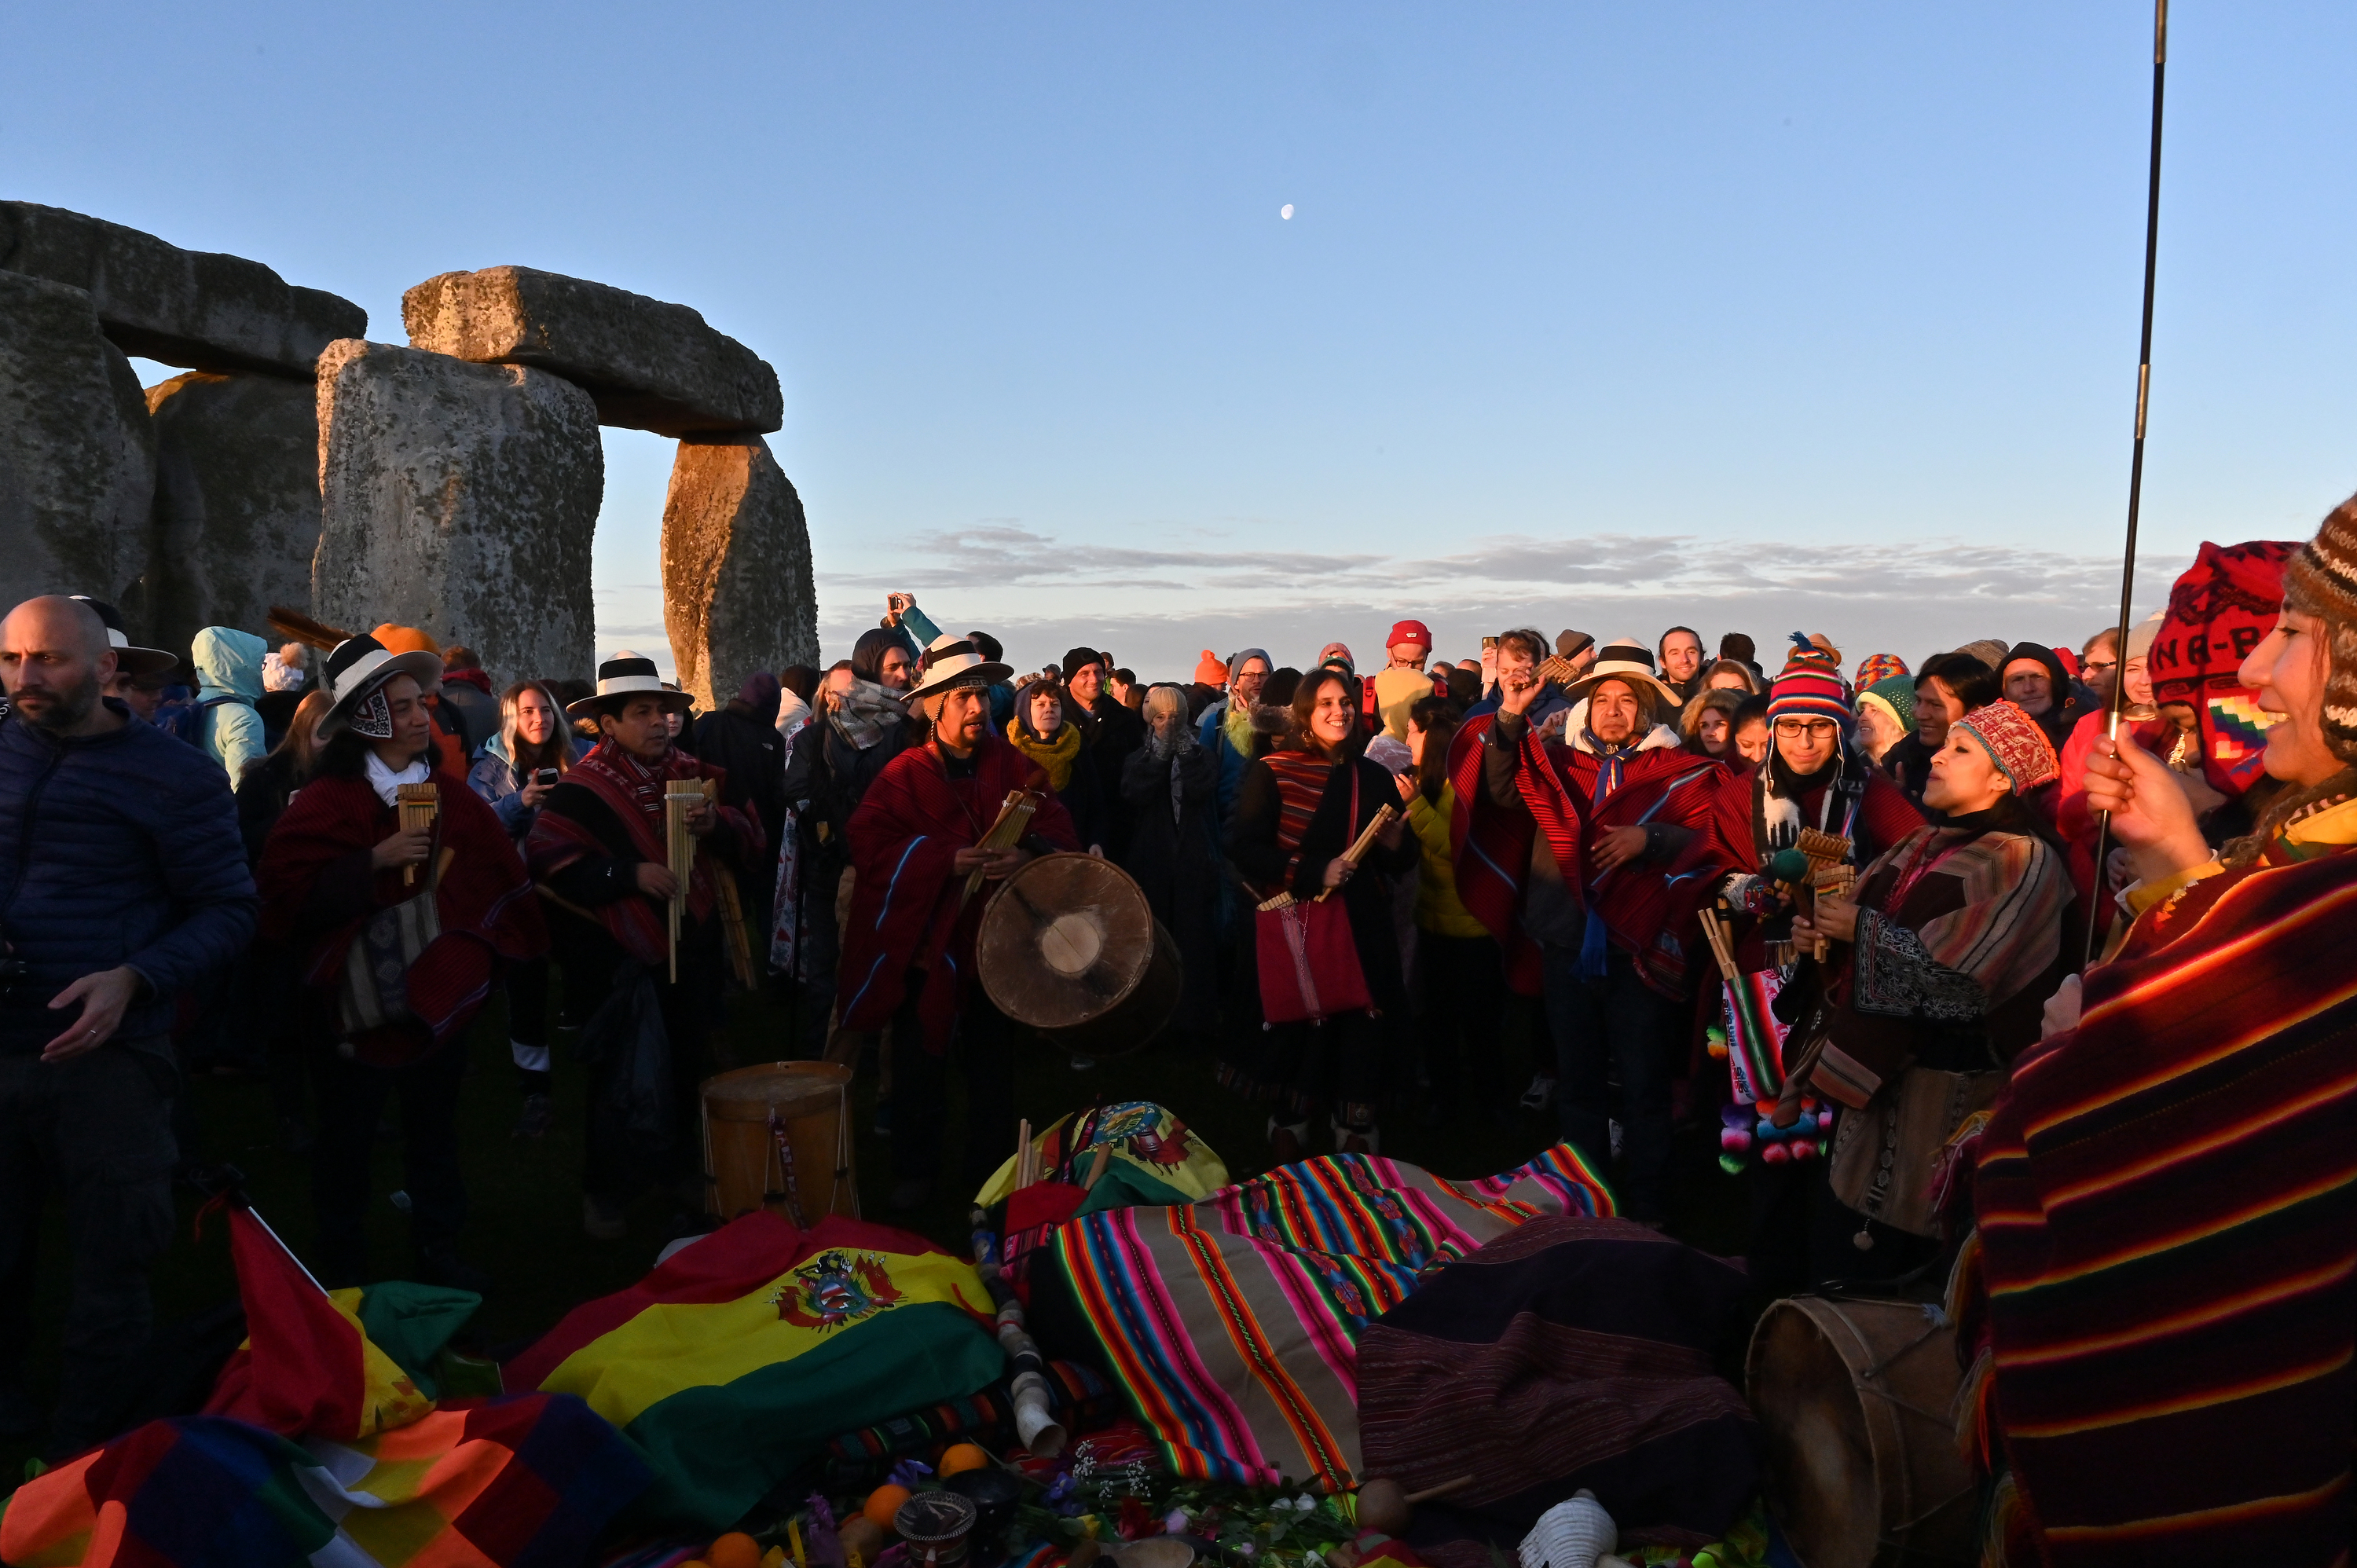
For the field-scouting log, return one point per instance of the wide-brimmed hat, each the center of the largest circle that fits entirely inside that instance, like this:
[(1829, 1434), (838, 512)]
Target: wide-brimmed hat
[(623, 677), (951, 662), (358, 667), (135, 661), (1623, 659)]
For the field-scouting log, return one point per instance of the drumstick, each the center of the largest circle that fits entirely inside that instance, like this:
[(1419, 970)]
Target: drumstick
[(1365, 840), (1442, 1490)]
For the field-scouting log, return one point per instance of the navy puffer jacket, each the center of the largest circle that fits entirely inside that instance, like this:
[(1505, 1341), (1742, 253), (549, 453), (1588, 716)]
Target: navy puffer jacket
[(119, 848)]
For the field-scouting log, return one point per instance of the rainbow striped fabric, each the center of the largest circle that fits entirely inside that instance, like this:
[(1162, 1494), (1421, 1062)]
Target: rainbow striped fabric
[(1232, 1323), (2167, 1204)]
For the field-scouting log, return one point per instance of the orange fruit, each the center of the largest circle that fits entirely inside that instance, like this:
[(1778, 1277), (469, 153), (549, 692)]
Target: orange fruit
[(882, 1504), (960, 1458), (734, 1549)]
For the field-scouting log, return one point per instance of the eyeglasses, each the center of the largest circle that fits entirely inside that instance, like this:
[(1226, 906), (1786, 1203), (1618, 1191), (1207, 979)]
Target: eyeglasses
[(1815, 729), (2097, 666)]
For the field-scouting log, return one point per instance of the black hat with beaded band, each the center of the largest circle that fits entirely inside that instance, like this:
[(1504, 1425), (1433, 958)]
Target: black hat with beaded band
[(623, 677), (2320, 579), (139, 663), (354, 680)]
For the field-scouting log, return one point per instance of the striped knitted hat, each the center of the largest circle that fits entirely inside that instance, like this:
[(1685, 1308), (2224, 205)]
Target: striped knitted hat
[(1810, 684), (1895, 695), (2322, 579), (1878, 666), (2014, 742)]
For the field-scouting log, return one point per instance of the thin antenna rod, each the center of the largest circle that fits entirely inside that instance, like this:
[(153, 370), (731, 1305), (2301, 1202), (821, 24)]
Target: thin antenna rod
[(2135, 460)]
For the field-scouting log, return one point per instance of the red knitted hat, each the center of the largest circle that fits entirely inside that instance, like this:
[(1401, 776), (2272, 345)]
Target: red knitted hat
[(1810, 684), (2217, 611), (2014, 742)]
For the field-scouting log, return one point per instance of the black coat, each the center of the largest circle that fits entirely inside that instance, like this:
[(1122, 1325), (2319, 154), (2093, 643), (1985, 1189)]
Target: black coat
[(751, 754), (1252, 845), (1110, 732), (1176, 859)]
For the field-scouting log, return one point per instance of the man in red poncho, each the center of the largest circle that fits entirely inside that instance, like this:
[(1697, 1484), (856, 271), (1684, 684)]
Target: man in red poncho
[(600, 848), (398, 935), (908, 948)]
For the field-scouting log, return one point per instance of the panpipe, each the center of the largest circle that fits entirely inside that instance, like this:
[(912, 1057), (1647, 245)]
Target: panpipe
[(680, 798), (1014, 822), (1721, 937), (1350, 856), (418, 804), (1830, 871)]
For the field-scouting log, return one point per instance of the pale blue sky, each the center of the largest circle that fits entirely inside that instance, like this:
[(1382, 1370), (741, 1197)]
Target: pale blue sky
[(1752, 317)]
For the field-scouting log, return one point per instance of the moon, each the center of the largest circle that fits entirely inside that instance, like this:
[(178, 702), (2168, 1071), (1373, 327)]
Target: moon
[(1286, 212)]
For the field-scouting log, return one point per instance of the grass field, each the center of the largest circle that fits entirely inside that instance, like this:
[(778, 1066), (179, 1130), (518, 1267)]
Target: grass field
[(524, 1199)]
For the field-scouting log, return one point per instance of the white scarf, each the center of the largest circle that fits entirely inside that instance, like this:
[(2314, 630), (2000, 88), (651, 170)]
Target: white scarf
[(387, 783)]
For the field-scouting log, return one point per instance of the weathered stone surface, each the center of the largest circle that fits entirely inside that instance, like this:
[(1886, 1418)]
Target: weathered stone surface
[(736, 567), (237, 501), (460, 499), (651, 366), (198, 308), (76, 453)]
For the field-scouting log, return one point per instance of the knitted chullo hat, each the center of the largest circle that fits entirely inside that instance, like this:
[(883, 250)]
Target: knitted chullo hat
[(2014, 742), (1210, 672), (1895, 695), (1877, 667), (1809, 685), (2321, 580)]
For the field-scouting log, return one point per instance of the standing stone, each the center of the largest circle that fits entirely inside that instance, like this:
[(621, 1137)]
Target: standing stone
[(735, 566), (183, 308), (460, 499), (76, 453), (651, 366), (237, 501)]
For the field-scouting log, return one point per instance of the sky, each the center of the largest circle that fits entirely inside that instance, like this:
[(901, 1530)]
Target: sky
[(1766, 318)]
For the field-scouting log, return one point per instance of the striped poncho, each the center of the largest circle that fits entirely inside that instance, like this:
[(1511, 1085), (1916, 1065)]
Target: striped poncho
[(2166, 1202)]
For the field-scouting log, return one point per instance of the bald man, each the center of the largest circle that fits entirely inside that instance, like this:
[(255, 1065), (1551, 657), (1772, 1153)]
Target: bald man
[(122, 883)]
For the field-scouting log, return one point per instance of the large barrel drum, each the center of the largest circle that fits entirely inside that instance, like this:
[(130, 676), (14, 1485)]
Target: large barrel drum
[(777, 1136), (1070, 945), (1856, 1404)]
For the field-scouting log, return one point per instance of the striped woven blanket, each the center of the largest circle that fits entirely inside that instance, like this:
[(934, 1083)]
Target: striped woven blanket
[(1233, 1323)]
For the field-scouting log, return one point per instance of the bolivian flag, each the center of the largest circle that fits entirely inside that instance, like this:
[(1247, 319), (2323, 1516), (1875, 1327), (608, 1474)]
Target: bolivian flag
[(737, 1358)]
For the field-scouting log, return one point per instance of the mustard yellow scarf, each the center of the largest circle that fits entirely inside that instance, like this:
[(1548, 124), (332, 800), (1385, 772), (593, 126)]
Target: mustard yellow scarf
[(1055, 756)]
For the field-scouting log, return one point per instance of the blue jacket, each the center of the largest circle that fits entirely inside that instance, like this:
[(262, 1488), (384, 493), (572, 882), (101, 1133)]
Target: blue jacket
[(119, 848), (493, 777), (229, 664)]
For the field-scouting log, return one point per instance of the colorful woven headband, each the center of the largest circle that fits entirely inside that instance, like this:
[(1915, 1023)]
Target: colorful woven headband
[(2014, 742)]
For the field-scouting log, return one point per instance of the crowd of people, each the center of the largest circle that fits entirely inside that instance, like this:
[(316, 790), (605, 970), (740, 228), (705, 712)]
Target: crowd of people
[(1969, 988)]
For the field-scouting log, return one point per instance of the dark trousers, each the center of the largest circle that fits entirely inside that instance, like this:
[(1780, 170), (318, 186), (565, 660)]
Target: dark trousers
[(617, 1164), (982, 1044), (97, 1130), (351, 1099), (1802, 1236), (527, 985), (1617, 1021), (1461, 1012)]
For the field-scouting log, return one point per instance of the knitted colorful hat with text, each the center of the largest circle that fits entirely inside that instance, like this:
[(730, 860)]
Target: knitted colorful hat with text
[(1810, 684), (2225, 602), (1876, 667), (2322, 579), (2014, 742)]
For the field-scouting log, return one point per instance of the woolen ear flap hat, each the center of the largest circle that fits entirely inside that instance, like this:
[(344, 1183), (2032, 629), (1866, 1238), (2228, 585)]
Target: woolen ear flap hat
[(623, 677), (1809, 685), (2320, 579), (131, 660), (356, 672), (951, 662), (2014, 742)]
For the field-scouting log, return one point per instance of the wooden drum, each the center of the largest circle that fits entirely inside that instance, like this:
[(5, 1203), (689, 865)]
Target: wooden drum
[(777, 1136), (1070, 945), (1855, 1401)]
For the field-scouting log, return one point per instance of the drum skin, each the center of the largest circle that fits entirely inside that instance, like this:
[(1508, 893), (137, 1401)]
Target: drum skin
[(1068, 946), (1856, 1401), (743, 1167)]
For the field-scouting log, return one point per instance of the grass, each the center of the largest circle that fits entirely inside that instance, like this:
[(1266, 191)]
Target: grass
[(524, 1199)]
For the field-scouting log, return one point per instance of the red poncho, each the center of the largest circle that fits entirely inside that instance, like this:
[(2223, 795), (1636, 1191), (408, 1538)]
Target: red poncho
[(905, 910), (485, 903)]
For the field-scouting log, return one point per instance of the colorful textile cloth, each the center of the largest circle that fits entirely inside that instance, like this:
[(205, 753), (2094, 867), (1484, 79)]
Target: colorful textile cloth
[(1232, 1323), (908, 911), (738, 1358), (525, 1480), (2218, 610), (1569, 1353), (611, 805), (340, 1364), (2167, 1201)]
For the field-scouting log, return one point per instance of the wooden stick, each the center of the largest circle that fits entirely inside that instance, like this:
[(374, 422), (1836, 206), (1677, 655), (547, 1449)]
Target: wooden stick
[(1721, 944), (1022, 1154), (1442, 1490)]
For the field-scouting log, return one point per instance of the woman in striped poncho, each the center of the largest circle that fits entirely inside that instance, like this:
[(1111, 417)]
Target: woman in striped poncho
[(2166, 1296)]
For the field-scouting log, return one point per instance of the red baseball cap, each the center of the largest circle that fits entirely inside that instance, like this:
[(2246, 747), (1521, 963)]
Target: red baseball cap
[(1409, 632)]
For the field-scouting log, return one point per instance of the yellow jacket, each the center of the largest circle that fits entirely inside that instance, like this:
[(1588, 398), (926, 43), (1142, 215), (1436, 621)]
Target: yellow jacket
[(1438, 909)]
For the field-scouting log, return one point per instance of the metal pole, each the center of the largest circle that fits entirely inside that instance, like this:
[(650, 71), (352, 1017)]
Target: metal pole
[(2135, 460)]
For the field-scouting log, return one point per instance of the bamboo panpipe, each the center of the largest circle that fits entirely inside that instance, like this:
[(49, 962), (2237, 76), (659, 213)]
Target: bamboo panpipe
[(1013, 820), (419, 804), (1365, 842), (679, 798), (1722, 943)]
